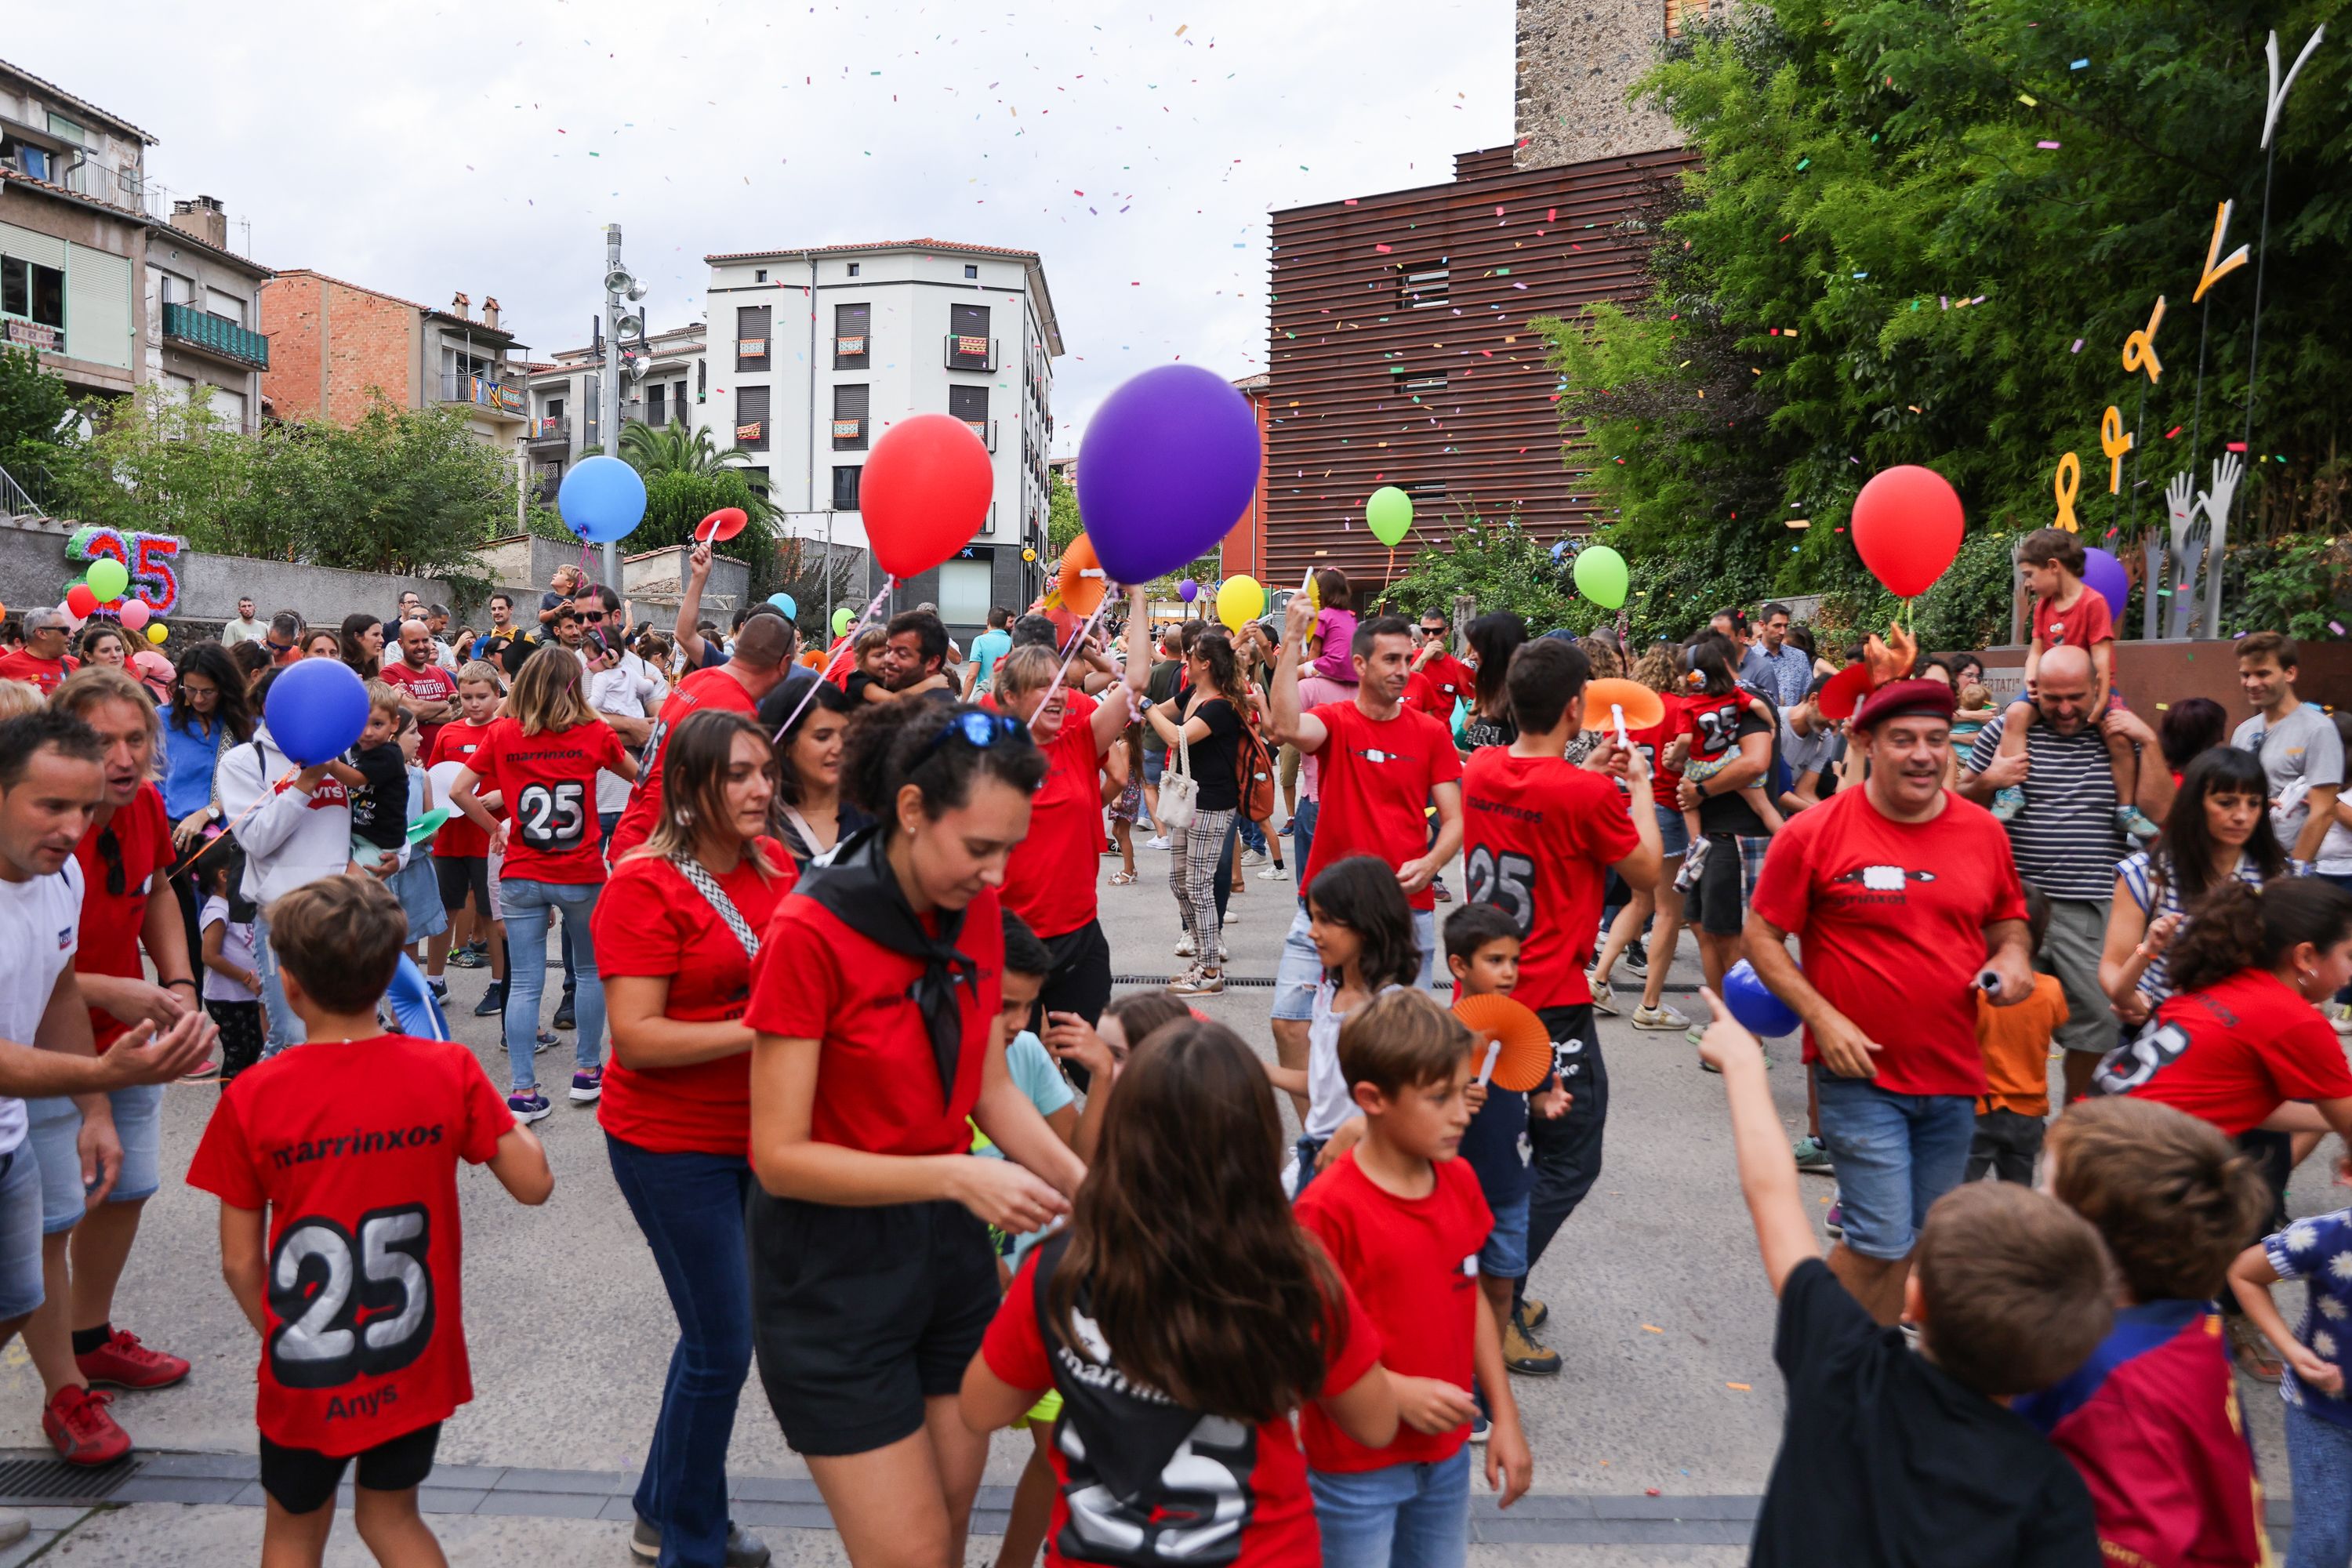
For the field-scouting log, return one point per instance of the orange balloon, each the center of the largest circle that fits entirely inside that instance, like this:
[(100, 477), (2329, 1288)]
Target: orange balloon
[(1644, 707), (1081, 582)]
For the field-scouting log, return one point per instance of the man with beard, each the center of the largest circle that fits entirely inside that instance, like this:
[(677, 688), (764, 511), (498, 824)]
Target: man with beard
[(1898, 891), (915, 656)]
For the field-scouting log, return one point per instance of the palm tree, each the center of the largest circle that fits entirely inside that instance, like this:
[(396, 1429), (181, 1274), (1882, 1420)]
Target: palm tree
[(672, 448)]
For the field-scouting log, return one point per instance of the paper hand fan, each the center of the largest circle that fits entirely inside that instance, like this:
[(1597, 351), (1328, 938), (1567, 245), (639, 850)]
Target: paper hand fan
[(1644, 707), (1525, 1061), (1081, 582), (1842, 695), (427, 825)]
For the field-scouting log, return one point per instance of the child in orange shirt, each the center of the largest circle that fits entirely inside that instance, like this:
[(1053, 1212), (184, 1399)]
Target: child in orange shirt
[(2016, 1045)]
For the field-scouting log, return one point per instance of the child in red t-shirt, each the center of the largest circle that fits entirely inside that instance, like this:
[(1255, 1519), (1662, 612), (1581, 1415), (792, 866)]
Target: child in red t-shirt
[(1405, 1220), (1182, 1316), (351, 1145), (2068, 614)]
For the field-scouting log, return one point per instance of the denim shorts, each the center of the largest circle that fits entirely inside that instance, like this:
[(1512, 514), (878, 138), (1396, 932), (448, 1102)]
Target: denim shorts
[(1155, 763), (1505, 1254), (20, 1233), (1896, 1155), (1410, 1515), (54, 1125), (1673, 838), (1300, 969)]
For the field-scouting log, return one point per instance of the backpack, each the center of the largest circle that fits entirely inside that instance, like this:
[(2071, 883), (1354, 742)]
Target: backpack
[(1253, 772)]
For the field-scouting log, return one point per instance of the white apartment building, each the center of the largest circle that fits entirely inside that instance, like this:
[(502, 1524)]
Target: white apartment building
[(813, 353)]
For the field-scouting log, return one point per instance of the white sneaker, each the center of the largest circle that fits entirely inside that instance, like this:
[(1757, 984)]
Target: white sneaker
[(1223, 956), (1661, 1017), (2340, 1015), (1185, 948), (1603, 1001), (1275, 874), (1159, 843), (1252, 858), (14, 1526)]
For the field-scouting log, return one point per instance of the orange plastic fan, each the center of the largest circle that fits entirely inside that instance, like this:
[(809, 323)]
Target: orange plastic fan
[(1525, 1057), (1842, 697), (1082, 578), (1644, 707)]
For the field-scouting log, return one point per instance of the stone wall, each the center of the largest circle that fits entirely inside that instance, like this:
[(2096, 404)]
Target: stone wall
[(1576, 60)]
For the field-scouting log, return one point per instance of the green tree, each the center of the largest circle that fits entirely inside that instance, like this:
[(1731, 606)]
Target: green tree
[(36, 414), (1062, 521), (1920, 233)]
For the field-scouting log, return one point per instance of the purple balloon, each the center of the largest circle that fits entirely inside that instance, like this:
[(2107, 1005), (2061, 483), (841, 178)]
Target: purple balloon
[(1188, 590), (1166, 468), (2106, 575)]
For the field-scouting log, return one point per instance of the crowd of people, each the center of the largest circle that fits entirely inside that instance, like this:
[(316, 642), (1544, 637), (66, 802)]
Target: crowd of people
[(830, 929)]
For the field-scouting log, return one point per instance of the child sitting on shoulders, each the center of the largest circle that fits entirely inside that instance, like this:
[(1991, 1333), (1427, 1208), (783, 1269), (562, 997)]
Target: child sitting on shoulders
[(336, 1164), (2151, 1421), (2015, 1045), (1404, 1220), (1331, 651), (1890, 1455)]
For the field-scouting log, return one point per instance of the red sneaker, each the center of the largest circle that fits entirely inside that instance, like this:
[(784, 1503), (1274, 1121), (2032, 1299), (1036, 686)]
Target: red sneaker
[(123, 1363), (77, 1422)]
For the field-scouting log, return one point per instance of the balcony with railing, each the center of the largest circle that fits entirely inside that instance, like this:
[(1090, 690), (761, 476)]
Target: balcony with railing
[(967, 353), (551, 430), (215, 335), (493, 397), (851, 351), (985, 429)]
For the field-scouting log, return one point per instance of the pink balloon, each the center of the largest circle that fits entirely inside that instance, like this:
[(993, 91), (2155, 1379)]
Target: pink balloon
[(134, 614)]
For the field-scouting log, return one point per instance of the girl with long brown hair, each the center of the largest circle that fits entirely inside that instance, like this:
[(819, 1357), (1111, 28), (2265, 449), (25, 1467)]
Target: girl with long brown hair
[(1184, 1304)]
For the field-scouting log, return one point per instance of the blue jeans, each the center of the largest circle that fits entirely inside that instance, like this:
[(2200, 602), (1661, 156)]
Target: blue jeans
[(282, 1028), (531, 908), (2319, 1464), (20, 1234), (1302, 840), (1253, 836), (691, 1207), (1401, 1516), (1298, 970), (1896, 1155)]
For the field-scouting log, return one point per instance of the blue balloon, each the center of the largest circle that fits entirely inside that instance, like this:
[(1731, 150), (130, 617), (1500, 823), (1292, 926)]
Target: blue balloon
[(602, 499), (784, 601), (412, 1003), (317, 708), (1757, 1010)]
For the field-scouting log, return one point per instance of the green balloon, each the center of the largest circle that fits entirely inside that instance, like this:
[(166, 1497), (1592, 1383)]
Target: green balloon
[(1390, 514), (1600, 576), (107, 578), (841, 619)]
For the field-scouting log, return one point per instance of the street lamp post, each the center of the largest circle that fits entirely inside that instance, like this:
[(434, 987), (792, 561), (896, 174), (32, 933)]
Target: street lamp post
[(622, 317)]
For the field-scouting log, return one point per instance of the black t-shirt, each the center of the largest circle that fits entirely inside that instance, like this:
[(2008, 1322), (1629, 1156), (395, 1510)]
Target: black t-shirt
[(1887, 1460), (1478, 732), (379, 807), (1159, 687), (855, 687), (1726, 812), (1216, 756)]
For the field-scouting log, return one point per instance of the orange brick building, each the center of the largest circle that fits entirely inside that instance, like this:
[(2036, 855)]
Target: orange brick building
[(335, 346)]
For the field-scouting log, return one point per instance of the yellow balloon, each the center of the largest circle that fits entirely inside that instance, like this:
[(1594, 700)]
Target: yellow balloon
[(156, 632), (1240, 601)]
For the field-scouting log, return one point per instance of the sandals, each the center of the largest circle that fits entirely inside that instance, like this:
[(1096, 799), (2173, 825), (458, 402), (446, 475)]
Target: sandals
[(1121, 878)]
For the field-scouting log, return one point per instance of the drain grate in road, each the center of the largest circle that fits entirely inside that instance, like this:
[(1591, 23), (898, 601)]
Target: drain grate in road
[(50, 1480)]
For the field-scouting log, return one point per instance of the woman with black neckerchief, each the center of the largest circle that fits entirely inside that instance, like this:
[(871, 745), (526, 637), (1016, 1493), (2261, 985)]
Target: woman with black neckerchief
[(873, 1278)]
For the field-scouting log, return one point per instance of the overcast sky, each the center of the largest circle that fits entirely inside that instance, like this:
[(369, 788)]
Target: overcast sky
[(425, 149)]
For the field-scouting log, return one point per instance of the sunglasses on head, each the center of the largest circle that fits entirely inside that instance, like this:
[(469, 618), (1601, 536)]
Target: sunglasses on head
[(978, 728)]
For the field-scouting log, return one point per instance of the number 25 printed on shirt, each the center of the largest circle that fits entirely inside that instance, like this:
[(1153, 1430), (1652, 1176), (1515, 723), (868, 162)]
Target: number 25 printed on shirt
[(1505, 880), (551, 817), (320, 1281)]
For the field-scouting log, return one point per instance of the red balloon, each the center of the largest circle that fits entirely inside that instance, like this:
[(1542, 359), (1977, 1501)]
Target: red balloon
[(1908, 525), (725, 523), (924, 493), (82, 599)]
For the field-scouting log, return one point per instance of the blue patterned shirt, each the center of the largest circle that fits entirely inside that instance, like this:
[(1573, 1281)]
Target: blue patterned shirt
[(2318, 1251)]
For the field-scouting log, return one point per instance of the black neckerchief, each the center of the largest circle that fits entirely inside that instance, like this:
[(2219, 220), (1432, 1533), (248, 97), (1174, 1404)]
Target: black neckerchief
[(861, 891)]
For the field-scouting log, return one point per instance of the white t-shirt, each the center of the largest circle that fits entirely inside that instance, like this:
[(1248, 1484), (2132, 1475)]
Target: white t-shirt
[(1329, 1102), (40, 924), (241, 630), (236, 947), (617, 691)]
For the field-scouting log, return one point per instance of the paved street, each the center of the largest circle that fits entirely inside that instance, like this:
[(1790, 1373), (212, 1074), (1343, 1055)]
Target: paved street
[(1657, 1307)]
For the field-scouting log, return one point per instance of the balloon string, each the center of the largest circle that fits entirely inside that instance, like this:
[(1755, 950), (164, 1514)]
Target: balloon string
[(269, 795), (848, 641), (1076, 643)]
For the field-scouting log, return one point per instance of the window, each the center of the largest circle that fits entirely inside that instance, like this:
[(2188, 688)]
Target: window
[(751, 337), (228, 407), (226, 306), (844, 488), (556, 408), (963, 592), (970, 404), (970, 271), (1420, 285), (969, 347), (33, 292), (853, 346), (1425, 384), (849, 422), (853, 269), (758, 275), (172, 288), (656, 409), (752, 417)]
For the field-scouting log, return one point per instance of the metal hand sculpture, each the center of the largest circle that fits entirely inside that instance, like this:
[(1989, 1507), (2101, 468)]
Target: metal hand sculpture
[(2188, 550), (2227, 471)]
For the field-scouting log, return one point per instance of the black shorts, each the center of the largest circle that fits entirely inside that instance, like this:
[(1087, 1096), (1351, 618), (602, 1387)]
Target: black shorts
[(861, 1314), (462, 874), (303, 1480), (1718, 904)]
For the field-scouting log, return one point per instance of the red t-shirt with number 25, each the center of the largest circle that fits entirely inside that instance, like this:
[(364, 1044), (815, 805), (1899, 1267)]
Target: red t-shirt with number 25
[(548, 780), (352, 1147)]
